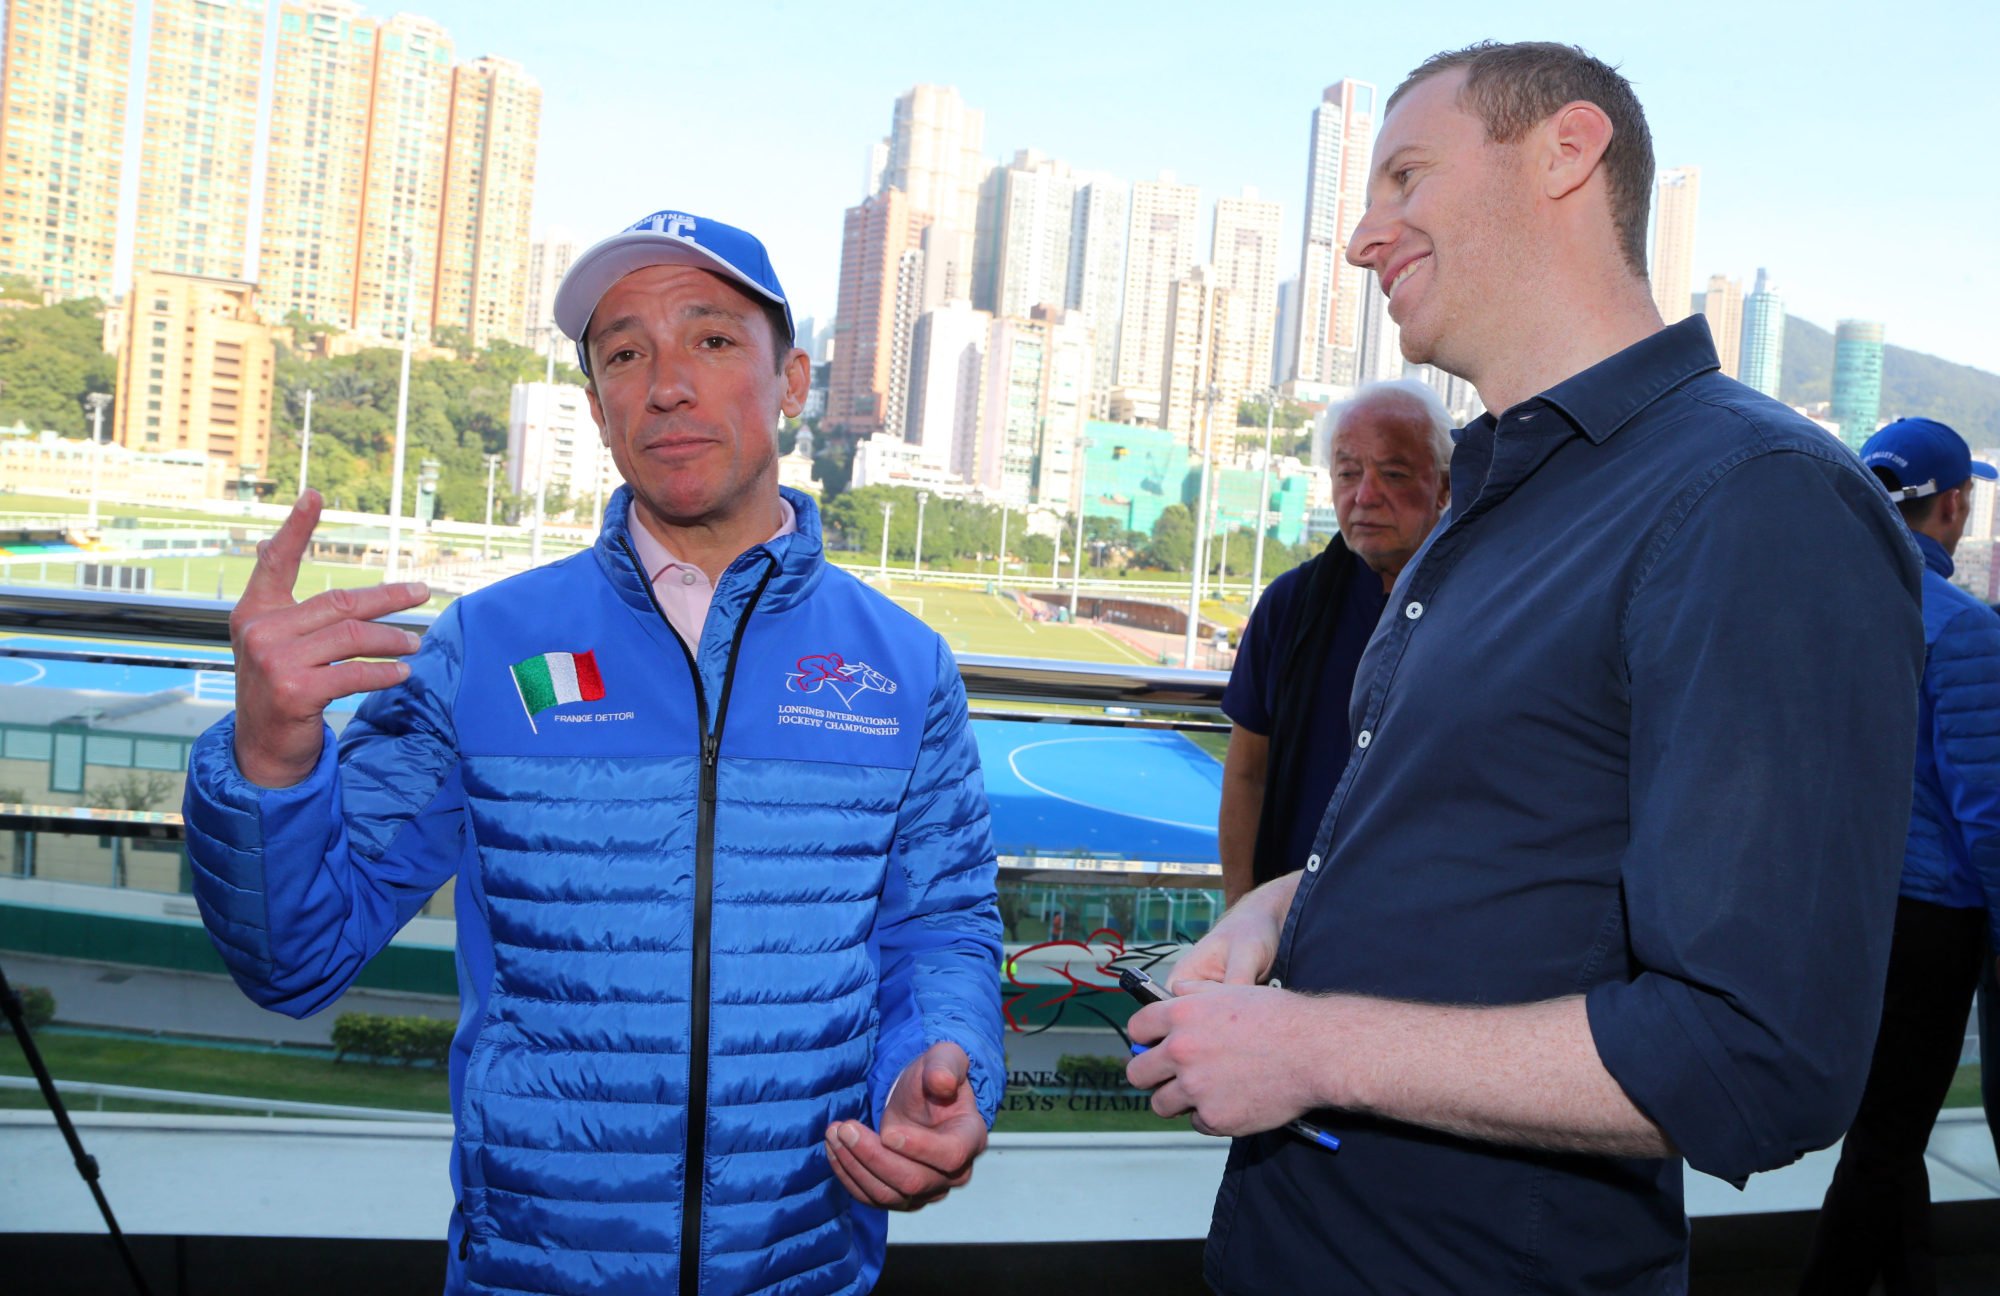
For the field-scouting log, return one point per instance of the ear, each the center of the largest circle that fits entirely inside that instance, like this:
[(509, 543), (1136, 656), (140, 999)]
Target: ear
[(798, 382), (1572, 141)]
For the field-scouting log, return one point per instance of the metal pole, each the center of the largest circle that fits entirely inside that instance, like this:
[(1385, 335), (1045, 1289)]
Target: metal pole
[(1000, 566), (887, 509), (97, 401), (1200, 539), (394, 560), (917, 559), (1076, 557), (1263, 501), (486, 542), (305, 442)]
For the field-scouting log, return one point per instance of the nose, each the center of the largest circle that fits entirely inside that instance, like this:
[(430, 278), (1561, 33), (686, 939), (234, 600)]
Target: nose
[(1368, 491), (1371, 239), (668, 387)]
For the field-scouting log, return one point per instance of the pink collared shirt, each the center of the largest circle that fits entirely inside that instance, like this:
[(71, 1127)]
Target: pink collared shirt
[(684, 590)]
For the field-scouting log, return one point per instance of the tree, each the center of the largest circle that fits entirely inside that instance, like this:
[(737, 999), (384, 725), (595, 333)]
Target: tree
[(1172, 548), (50, 359), (1291, 414)]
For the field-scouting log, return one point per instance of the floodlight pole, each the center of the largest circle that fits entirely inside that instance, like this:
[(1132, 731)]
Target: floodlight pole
[(1263, 500), (97, 401)]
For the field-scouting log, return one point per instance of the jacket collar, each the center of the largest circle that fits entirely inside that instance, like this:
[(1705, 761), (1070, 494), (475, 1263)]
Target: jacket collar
[(800, 556), (1935, 557)]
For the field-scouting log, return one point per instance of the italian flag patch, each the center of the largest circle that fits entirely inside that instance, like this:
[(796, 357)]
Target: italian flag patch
[(551, 679)]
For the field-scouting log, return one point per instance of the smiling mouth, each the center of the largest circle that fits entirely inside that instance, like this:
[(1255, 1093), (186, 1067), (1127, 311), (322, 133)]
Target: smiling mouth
[(1403, 274)]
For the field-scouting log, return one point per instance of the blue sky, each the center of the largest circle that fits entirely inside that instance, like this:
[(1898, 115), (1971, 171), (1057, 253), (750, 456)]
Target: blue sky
[(1848, 147)]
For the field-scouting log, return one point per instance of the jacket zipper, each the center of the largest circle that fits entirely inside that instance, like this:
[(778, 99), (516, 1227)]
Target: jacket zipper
[(695, 1169)]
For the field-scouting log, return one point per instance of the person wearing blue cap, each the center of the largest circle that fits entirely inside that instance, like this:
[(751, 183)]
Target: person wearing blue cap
[(728, 938), (1876, 1218)]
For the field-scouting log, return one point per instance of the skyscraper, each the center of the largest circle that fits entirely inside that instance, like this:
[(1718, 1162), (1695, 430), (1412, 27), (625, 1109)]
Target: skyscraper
[(1723, 304), (1037, 209), (879, 252), (1285, 334), (320, 100), (203, 69), (62, 135), (949, 359), (1103, 216), (548, 261), (1857, 379), (489, 195), (1244, 252), (402, 193), (1159, 251), (936, 154), (1378, 349), (196, 370), (1763, 356), (1330, 290), (1672, 273), (1195, 307)]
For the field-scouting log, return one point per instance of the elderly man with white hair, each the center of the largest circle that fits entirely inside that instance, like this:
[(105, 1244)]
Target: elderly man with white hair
[(1389, 449)]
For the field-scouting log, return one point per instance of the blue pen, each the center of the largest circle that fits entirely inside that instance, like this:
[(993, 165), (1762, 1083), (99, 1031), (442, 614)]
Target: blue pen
[(1146, 990)]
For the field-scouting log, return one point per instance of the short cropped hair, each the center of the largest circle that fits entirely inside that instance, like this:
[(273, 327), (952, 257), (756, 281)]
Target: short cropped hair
[(1513, 87), (1406, 392)]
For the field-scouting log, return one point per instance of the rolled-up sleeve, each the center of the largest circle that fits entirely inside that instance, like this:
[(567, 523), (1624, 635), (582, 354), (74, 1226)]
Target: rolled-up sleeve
[(1774, 647)]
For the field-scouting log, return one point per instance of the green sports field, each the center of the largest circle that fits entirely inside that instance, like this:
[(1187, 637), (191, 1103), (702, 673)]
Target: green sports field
[(973, 621)]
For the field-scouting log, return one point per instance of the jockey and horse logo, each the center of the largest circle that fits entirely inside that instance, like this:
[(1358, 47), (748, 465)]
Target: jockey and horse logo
[(832, 673)]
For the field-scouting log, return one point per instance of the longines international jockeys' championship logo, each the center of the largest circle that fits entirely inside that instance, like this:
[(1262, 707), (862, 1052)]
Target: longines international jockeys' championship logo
[(828, 675)]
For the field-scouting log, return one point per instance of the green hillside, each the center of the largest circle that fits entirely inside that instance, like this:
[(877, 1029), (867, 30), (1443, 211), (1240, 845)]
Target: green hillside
[(1912, 383)]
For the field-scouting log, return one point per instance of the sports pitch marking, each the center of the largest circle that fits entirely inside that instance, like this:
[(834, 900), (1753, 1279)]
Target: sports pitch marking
[(1014, 763)]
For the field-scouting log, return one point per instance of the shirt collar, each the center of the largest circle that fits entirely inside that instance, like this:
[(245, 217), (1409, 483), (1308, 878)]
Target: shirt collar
[(656, 558), (1609, 394)]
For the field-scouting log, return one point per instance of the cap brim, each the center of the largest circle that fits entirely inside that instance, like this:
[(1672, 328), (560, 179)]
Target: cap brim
[(1985, 471), (604, 264)]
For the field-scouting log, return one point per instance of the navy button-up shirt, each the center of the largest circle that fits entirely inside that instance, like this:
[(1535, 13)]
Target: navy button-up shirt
[(1638, 725)]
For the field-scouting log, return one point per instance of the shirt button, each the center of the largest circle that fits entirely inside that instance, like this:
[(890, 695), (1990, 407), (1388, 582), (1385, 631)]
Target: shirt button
[(1275, 984), (1362, 739), (687, 578), (1414, 611), (1312, 863)]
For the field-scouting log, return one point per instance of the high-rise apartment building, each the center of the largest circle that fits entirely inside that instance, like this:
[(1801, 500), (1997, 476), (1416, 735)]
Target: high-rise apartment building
[(63, 69), (195, 371), (1285, 334), (1378, 346), (1763, 355), (489, 195), (1033, 408), (1103, 216), (553, 446), (947, 366), (203, 69), (1857, 379), (548, 261), (1723, 305), (881, 286), (1674, 204), (1037, 210), (1195, 311), (1159, 250), (1244, 252), (1330, 290), (402, 191), (936, 155)]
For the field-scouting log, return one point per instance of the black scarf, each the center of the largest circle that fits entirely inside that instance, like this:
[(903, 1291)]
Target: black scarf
[(1299, 662)]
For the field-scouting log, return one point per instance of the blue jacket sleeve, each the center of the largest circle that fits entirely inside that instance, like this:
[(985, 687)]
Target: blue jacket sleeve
[(939, 925), (1773, 652), (1965, 737), (300, 886)]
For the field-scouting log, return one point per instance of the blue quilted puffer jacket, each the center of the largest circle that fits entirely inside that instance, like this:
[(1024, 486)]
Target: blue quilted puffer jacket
[(703, 910), (1953, 855)]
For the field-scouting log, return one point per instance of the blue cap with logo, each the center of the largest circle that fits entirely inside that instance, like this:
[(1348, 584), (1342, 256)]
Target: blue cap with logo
[(1924, 456), (663, 238)]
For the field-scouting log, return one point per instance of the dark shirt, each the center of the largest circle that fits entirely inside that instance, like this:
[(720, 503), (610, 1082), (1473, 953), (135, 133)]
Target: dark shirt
[(1637, 726), (1251, 699)]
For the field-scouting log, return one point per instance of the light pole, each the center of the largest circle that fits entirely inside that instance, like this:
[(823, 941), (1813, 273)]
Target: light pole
[(97, 401), (542, 455), (917, 559), (394, 561), (486, 542), (1263, 501), (887, 509), (1000, 566), (306, 442), (1200, 556), (1076, 557)]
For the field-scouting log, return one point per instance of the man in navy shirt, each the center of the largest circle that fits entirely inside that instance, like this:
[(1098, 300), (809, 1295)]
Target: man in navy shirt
[(1390, 453), (1608, 879)]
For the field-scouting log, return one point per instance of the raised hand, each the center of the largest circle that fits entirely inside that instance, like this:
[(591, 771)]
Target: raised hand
[(931, 1131), (293, 658)]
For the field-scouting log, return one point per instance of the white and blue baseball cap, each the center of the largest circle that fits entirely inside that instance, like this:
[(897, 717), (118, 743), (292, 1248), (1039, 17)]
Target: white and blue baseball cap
[(664, 238), (1924, 456)]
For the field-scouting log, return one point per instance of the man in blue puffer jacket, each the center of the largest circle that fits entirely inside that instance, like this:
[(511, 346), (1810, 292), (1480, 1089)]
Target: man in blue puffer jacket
[(1876, 1220), (728, 942)]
